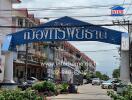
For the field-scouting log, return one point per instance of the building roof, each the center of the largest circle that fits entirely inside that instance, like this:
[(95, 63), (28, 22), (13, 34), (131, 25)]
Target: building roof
[(31, 17), (37, 21), (117, 7), (16, 1), (21, 12)]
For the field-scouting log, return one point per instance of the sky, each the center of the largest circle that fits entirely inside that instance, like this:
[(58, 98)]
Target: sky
[(107, 60)]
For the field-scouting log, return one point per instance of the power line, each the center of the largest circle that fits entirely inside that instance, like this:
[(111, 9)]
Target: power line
[(123, 2), (69, 8), (105, 20), (64, 26), (128, 9), (87, 16), (69, 16), (100, 50), (103, 50)]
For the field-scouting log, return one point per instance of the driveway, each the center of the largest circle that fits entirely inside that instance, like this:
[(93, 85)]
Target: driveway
[(86, 92)]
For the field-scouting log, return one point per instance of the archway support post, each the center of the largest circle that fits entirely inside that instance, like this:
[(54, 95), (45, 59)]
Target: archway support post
[(124, 68), (125, 60), (8, 81), (8, 66)]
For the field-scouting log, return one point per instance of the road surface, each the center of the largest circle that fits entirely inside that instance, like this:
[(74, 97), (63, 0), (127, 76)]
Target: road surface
[(86, 92)]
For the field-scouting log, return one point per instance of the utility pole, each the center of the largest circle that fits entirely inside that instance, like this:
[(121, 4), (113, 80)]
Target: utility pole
[(54, 63), (125, 54), (26, 62), (53, 46), (122, 23)]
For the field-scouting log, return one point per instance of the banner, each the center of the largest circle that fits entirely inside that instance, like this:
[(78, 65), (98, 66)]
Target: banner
[(66, 29)]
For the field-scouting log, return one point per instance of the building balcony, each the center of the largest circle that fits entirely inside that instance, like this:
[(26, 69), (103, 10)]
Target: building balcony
[(32, 51), (38, 53), (43, 55)]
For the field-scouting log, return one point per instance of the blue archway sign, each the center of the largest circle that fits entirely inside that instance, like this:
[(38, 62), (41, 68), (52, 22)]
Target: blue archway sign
[(66, 29)]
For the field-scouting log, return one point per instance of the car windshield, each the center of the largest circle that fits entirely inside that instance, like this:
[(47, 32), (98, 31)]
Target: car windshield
[(109, 81), (32, 78), (117, 81), (95, 78)]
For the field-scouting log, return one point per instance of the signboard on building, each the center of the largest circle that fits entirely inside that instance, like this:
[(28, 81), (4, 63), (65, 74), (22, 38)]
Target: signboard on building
[(125, 42), (117, 11)]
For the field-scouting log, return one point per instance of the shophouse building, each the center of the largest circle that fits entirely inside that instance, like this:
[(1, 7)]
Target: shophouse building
[(5, 20), (58, 61)]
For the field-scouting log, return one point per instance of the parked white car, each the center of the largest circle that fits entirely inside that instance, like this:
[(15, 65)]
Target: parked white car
[(96, 81), (32, 80), (107, 84)]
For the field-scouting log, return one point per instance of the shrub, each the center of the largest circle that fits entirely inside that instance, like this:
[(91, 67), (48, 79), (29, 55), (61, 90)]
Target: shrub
[(50, 88), (38, 86), (126, 95), (44, 86), (64, 87), (19, 95)]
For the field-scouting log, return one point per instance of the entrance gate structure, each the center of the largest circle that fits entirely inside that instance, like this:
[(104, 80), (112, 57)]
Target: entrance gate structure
[(62, 29)]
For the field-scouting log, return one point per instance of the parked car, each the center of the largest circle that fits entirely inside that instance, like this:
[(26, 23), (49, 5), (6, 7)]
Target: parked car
[(107, 84), (24, 85), (115, 84), (87, 81), (96, 81), (32, 80), (121, 88)]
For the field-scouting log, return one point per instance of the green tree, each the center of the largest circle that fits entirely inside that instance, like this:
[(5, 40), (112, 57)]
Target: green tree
[(105, 77), (98, 74), (90, 75), (116, 73), (101, 76)]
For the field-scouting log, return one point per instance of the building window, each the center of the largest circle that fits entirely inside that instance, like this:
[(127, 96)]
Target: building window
[(26, 23), (30, 24), (21, 57), (20, 22), (13, 19)]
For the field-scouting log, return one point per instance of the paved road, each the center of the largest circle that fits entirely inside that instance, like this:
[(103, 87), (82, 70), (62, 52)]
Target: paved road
[(86, 92)]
